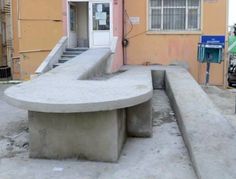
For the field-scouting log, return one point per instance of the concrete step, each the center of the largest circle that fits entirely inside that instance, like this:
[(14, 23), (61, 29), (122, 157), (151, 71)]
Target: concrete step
[(77, 49), (63, 60), (56, 65), (72, 53), (68, 56)]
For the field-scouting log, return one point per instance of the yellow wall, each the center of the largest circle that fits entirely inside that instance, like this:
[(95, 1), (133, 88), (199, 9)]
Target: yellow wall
[(37, 27), (166, 48), (30, 62), (16, 56)]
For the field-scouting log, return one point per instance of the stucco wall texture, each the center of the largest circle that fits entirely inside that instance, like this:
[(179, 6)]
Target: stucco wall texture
[(37, 27), (166, 48)]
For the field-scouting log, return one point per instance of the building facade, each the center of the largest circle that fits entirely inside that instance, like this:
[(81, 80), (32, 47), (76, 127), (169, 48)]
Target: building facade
[(168, 31), (39, 25), (151, 31)]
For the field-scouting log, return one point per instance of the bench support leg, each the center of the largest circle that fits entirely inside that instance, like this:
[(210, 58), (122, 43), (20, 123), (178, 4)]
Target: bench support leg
[(139, 120), (95, 136)]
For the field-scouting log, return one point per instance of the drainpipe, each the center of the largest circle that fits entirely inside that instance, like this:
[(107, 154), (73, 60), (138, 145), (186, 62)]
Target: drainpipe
[(123, 32)]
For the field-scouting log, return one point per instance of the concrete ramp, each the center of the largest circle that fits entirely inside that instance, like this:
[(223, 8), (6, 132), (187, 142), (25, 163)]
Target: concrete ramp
[(209, 137)]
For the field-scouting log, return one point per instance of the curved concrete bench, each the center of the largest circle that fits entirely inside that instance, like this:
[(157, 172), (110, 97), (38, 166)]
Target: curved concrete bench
[(66, 103), (68, 89)]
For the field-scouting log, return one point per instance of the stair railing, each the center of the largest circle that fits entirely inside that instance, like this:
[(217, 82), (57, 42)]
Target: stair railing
[(53, 56)]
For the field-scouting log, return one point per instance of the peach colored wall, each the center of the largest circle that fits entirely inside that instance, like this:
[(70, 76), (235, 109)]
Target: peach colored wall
[(30, 62), (166, 48), (16, 55), (15, 28), (37, 27)]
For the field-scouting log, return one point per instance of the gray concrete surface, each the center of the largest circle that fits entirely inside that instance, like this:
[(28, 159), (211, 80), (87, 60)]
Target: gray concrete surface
[(163, 156), (87, 109), (67, 89), (13, 128), (10, 121), (209, 137), (225, 100), (139, 120), (158, 79), (93, 136)]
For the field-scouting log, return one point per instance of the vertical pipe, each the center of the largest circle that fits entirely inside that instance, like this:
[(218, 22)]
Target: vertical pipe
[(123, 32)]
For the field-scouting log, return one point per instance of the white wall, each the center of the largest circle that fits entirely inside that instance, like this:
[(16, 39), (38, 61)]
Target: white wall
[(82, 24), (232, 12)]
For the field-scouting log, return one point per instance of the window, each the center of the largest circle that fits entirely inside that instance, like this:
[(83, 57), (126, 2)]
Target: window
[(174, 15), (101, 16)]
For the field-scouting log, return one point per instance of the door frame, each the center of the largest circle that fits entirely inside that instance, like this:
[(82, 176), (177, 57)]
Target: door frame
[(90, 19), (91, 22), (69, 24)]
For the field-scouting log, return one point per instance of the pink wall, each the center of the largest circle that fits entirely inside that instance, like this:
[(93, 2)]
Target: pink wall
[(117, 30)]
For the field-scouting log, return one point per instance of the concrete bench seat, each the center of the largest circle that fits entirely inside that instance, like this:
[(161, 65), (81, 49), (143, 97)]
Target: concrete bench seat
[(68, 89), (72, 114)]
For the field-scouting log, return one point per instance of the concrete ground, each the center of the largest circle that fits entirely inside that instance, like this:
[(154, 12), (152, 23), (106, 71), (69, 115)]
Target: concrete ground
[(225, 100), (163, 156), (13, 128), (11, 119)]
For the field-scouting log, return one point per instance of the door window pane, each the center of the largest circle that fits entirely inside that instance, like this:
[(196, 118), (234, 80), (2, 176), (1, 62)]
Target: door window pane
[(101, 16)]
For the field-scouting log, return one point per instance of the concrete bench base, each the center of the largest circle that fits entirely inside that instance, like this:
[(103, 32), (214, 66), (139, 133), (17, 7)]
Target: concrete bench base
[(87, 119), (95, 136), (139, 120)]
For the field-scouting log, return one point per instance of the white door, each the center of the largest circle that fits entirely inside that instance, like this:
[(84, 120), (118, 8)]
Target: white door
[(72, 25), (100, 13)]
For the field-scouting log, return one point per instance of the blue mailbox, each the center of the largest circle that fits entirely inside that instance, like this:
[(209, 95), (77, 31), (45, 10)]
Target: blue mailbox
[(211, 49)]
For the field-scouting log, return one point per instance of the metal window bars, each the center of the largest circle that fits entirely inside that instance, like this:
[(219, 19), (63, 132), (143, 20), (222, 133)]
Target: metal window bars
[(174, 15)]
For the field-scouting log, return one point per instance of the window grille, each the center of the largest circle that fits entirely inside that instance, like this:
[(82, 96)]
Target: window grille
[(174, 15)]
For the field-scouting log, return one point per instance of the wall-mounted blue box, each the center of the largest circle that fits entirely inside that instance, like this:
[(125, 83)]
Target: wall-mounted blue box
[(211, 49)]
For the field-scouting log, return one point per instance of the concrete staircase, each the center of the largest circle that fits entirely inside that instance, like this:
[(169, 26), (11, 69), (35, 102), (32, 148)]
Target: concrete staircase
[(69, 54)]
